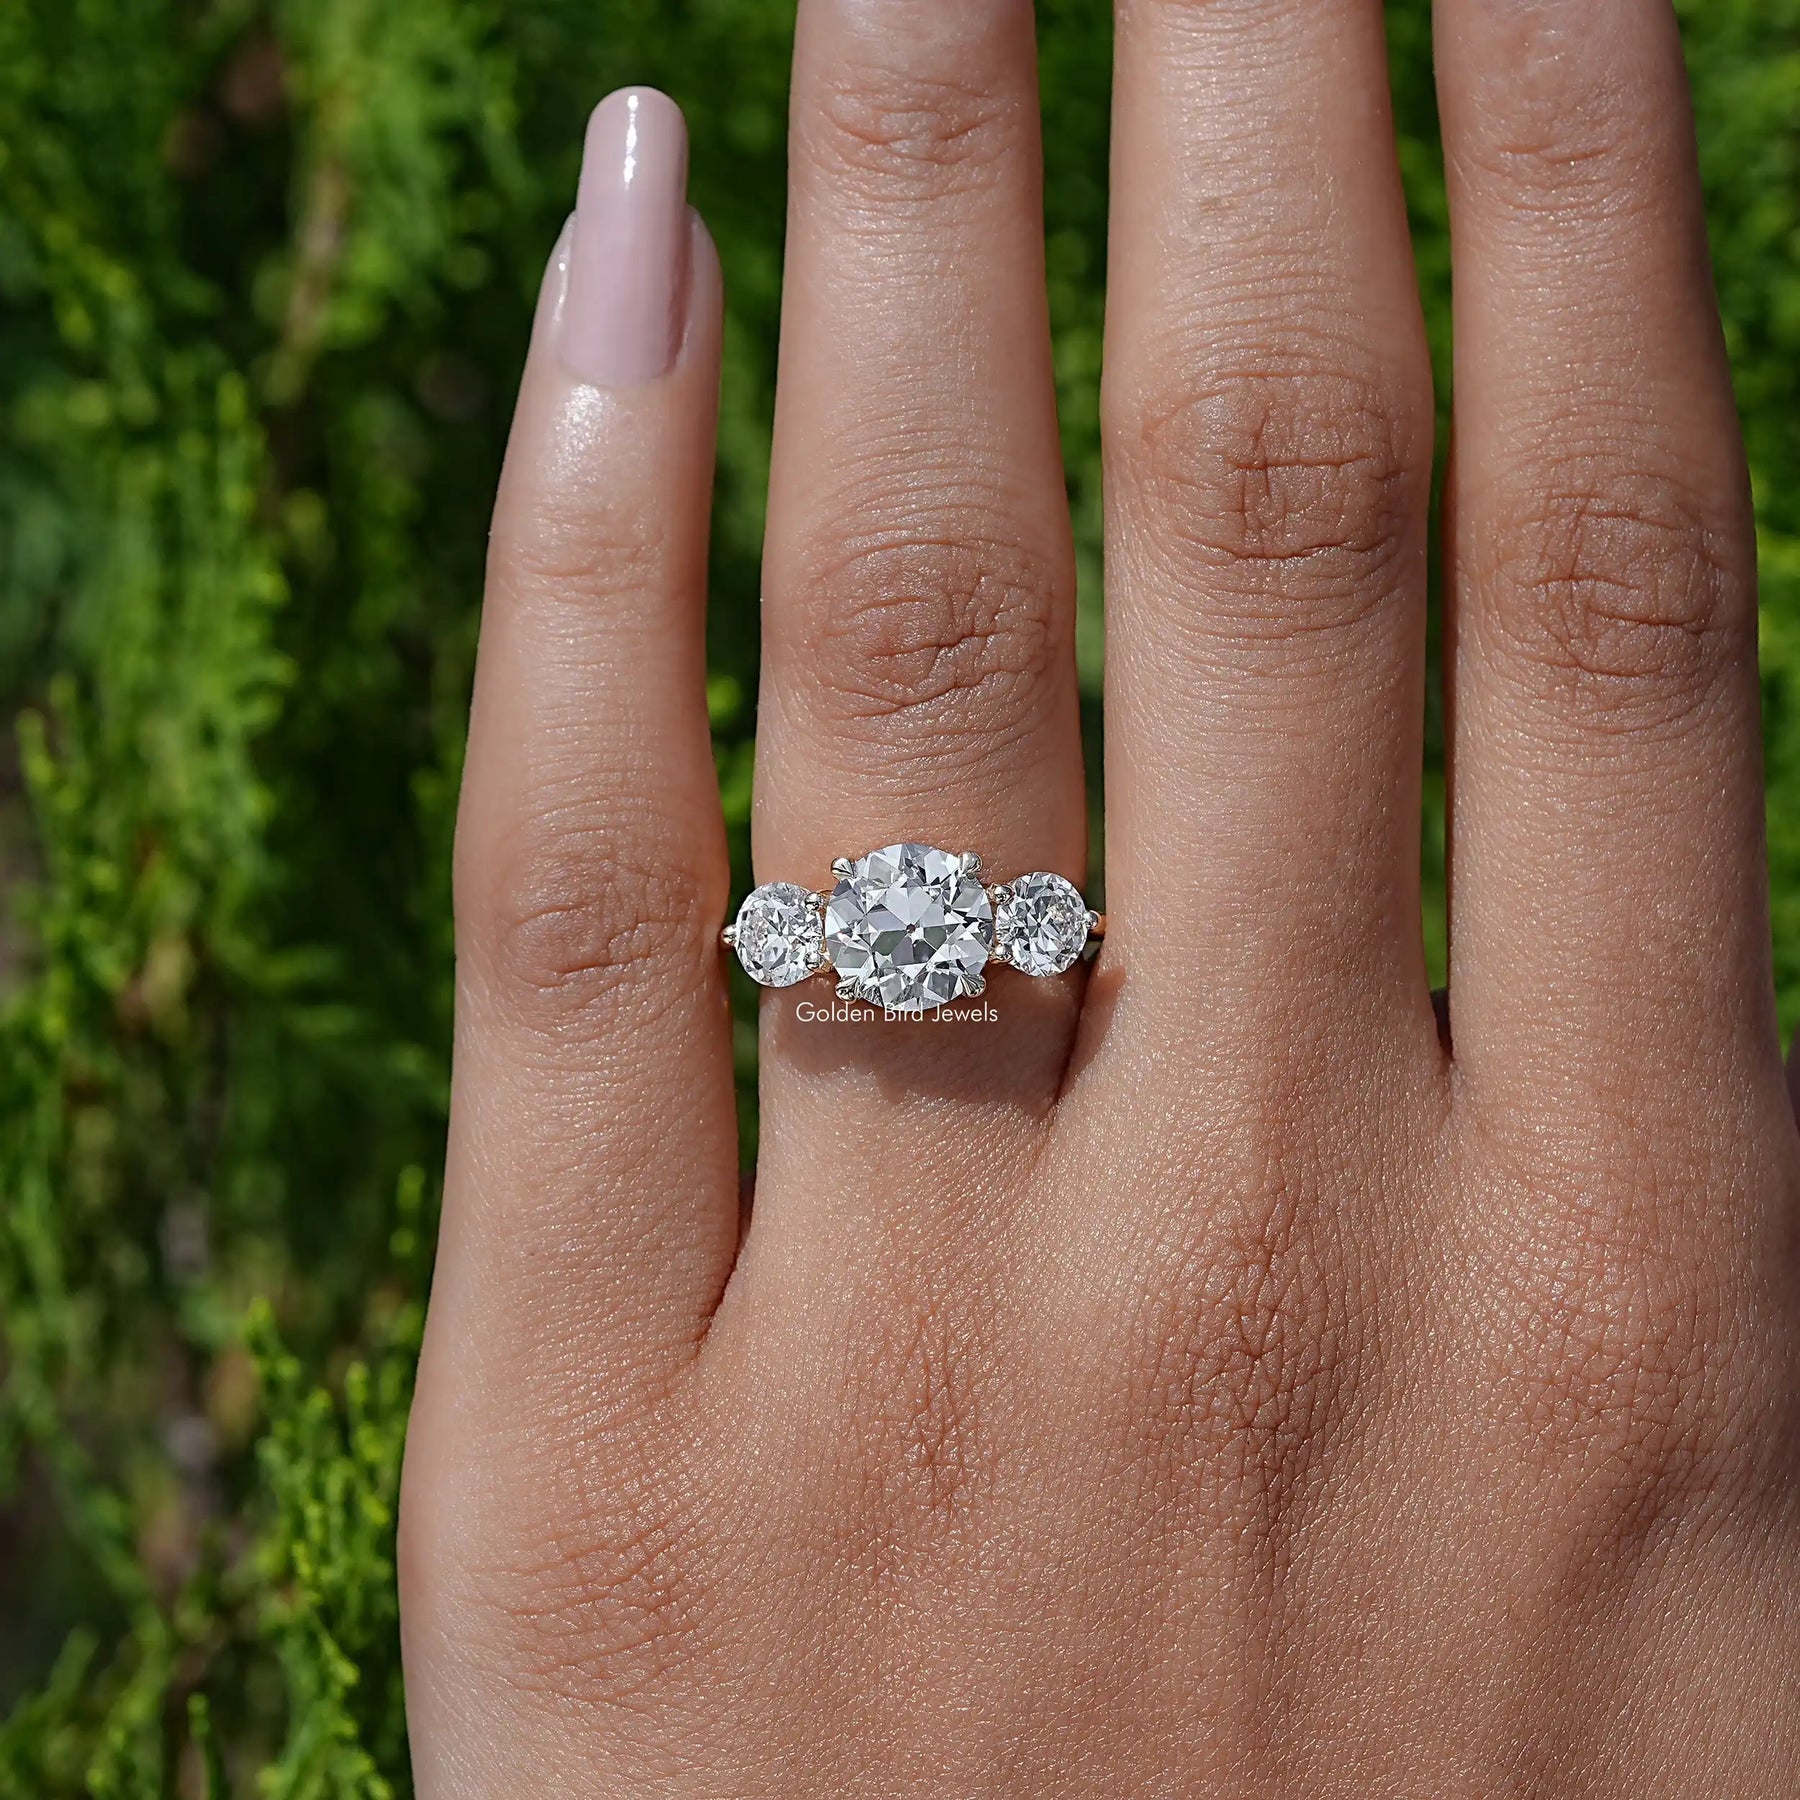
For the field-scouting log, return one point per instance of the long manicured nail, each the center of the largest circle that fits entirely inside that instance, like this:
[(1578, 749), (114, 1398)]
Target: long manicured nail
[(628, 263)]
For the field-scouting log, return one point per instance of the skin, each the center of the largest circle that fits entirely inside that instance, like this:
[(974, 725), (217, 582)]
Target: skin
[(1211, 1379)]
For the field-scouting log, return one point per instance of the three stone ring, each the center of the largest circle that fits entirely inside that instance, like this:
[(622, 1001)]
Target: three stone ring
[(910, 928)]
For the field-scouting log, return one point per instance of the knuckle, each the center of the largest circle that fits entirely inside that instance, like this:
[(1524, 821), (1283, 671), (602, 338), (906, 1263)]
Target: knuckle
[(1619, 588), (1563, 168), (1297, 475), (582, 917), (601, 1600), (891, 134), (1239, 1377), (1551, 135), (1624, 1375), (959, 630), (1629, 1423), (918, 1437), (567, 548), (1196, 12), (1615, 1370)]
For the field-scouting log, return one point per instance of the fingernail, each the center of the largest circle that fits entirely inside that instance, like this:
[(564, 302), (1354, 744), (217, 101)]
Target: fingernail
[(627, 297)]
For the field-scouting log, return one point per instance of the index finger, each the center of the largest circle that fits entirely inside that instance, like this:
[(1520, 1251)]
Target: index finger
[(590, 1209)]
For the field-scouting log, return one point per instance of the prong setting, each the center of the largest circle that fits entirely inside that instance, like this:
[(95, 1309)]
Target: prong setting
[(1001, 896)]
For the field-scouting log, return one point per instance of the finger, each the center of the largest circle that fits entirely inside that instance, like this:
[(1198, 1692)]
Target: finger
[(1609, 885), (1268, 422), (590, 1207), (590, 1212), (919, 676)]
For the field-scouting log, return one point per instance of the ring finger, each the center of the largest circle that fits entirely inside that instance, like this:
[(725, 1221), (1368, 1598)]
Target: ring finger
[(919, 679)]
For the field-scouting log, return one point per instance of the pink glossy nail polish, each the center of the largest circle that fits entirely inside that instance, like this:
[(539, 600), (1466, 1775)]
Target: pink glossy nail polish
[(628, 261)]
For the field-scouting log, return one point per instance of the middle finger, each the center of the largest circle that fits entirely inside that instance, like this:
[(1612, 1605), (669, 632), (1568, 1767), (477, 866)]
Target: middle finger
[(1269, 420)]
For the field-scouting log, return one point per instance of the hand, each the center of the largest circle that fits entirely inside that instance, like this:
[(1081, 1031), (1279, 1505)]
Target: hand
[(1207, 1380)]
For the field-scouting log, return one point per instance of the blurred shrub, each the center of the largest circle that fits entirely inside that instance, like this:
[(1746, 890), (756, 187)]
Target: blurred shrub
[(267, 268)]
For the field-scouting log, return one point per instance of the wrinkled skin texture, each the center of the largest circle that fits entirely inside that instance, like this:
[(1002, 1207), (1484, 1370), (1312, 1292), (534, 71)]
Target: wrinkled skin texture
[(1214, 1378)]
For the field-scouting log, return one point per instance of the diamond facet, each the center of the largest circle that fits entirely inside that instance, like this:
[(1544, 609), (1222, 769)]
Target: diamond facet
[(1042, 924), (777, 936), (909, 928)]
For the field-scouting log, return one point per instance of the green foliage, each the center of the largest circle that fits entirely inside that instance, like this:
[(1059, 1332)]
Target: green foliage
[(1746, 62), (326, 1570), (267, 269)]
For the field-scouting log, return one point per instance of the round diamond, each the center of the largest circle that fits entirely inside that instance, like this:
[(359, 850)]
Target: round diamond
[(777, 936), (1042, 924), (910, 928)]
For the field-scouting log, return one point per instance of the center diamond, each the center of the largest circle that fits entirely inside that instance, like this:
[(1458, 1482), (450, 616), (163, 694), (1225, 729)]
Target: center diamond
[(910, 928)]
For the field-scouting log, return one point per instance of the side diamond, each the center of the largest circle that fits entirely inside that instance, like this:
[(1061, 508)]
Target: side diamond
[(779, 936), (1041, 924)]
